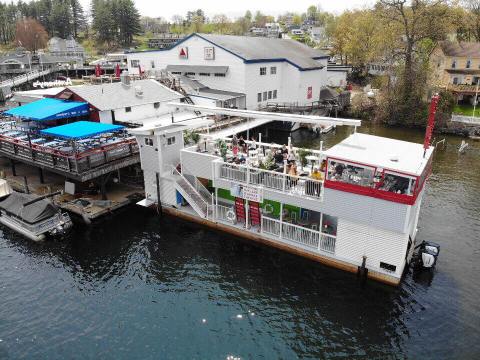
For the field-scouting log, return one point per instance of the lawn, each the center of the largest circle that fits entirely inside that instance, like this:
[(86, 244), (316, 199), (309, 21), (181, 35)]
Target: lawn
[(466, 110)]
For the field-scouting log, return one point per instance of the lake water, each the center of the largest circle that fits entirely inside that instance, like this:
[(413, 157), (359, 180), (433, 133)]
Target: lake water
[(141, 287)]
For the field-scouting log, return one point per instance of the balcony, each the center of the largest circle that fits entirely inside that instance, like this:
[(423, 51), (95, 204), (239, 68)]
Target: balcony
[(307, 237)]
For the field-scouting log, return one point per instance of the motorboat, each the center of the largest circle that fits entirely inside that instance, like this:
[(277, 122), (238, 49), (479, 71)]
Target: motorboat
[(33, 216)]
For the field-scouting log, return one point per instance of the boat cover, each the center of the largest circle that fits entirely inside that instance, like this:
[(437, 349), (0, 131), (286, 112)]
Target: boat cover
[(31, 214)]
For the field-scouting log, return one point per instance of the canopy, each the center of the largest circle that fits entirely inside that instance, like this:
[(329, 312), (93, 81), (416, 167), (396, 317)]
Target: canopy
[(31, 214), (49, 109), (81, 129)]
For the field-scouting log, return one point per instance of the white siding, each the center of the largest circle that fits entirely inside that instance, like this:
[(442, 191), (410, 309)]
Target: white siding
[(105, 117), (198, 164), (149, 154), (141, 112), (355, 240)]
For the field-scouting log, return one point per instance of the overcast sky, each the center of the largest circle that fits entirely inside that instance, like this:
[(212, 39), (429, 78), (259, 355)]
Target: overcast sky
[(166, 9)]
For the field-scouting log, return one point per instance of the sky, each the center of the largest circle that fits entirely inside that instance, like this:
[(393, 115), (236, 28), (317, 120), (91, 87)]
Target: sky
[(166, 9)]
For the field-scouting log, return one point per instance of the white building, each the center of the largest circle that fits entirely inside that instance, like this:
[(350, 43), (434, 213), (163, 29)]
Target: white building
[(264, 69), (126, 102), (65, 47)]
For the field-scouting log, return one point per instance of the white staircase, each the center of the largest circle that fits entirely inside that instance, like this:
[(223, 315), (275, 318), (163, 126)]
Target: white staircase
[(194, 197)]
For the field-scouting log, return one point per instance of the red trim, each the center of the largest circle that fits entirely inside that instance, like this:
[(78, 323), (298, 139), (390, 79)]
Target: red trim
[(366, 191)]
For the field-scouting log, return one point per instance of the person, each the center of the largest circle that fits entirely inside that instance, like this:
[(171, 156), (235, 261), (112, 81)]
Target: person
[(278, 157), (314, 187), (290, 157), (284, 149), (242, 144), (293, 174), (339, 170), (253, 144)]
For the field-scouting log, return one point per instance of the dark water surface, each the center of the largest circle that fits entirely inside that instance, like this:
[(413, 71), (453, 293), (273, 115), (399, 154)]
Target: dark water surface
[(138, 287)]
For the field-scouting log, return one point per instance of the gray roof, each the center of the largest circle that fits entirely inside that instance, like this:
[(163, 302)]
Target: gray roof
[(219, 94), (198, 69), (462, 49), (117, 95), (260, 48)]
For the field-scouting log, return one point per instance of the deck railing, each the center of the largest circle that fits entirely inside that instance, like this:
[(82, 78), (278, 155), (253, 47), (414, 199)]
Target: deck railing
[(294, 185), (223, 213)]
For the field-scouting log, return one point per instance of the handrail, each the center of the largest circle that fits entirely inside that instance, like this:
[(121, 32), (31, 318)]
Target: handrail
[(202, 190), (176, 172)]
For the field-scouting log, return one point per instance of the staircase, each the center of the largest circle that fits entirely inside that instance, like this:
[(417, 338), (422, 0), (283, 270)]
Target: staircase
[(193, 197)]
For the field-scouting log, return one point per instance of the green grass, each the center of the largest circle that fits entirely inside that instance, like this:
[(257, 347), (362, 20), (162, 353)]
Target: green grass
[(466, 110)]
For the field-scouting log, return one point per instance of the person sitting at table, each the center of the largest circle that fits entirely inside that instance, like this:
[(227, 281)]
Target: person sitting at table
[(278, 157), (293, 174), (235, 145), (339, 170), (284, 149), (242, 144), (314, 187), (253, 144)]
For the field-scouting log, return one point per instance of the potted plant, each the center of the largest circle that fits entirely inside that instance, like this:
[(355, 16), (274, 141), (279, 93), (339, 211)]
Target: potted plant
[(302, 155)]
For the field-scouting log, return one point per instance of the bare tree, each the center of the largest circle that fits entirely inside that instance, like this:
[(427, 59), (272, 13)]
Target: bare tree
[(30, 34)]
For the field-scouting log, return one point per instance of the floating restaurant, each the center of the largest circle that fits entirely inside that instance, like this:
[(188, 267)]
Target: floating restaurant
[(354, 206)]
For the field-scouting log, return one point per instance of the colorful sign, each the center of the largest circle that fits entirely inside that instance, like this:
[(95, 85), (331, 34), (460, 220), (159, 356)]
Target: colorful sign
[(431, 121), (309, 92), (247, 192), (209, 53), (183, 54)]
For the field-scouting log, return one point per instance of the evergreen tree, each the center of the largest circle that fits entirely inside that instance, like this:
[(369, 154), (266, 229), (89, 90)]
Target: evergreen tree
[(61, 18), (79, 21)]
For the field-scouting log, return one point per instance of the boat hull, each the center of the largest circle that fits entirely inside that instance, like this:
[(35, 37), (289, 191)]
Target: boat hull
[(18, 229)]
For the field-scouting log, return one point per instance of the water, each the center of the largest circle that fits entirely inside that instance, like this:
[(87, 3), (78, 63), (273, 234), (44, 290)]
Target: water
[(138, 287)]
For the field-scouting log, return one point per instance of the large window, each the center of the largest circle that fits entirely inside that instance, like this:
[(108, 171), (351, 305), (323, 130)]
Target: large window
[(128, 109), (274, 94), (263, 71), (219, 75), (273, 70), (135, 63), (259, 97), (329, 224), (269, 95), (264, 96), (350, 173)]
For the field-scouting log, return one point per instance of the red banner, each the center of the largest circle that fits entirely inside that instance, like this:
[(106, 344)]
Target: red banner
[(431, 121)]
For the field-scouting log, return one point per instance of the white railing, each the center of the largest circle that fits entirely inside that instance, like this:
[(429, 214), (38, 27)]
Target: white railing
[(300, 235), (295, 185), (190, 190), (223, 213), (309, 238), (270, 226)]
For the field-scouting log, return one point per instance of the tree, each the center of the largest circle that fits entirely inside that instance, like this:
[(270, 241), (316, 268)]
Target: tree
[(221, 22), (473, 19), (312, 13), (416, 23), (79, 21), (61, 18), (30, 34)]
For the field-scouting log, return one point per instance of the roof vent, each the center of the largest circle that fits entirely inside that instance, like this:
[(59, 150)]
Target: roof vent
[(138, 91)]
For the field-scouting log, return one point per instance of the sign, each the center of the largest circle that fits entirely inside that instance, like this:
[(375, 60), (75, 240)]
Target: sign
[(431, 121), (309, 92), (183, 54), (69, 188), (247, 192), (49, 84), (209, 53)]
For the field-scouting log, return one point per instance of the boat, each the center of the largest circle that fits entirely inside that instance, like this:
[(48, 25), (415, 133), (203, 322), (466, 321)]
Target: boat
[(32, 216), (354, 206)]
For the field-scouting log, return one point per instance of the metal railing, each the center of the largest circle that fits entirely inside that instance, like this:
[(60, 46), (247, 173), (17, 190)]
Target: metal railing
[(196, 200), (307, 237), (223, 213), (294, 185)]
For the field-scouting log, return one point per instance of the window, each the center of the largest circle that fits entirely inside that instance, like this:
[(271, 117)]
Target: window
[(455, 80), (176, 72), (273, 70), (156, 105), (152, 64), (190, 73), (269, 95), (259, 97), (219, 75), (264, 96), (263, 71), (171, 140), (274, 94), (469, 64), (387, 267), (148, 141), (454, 64), (128, 109), (135, 63), (204, 74)]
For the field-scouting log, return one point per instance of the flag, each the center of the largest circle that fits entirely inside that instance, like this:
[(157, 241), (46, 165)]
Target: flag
[(431, 121)]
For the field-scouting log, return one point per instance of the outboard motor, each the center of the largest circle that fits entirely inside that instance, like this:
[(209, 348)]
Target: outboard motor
[(427, 254)]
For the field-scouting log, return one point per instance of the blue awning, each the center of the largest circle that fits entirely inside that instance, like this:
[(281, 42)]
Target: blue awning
[(49, 109), (81, 129)]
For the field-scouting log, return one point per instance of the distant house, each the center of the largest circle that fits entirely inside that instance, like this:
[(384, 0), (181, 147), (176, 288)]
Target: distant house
[(457, 68), (65, 47), (317, 34), (164, 41), (23, 62)]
